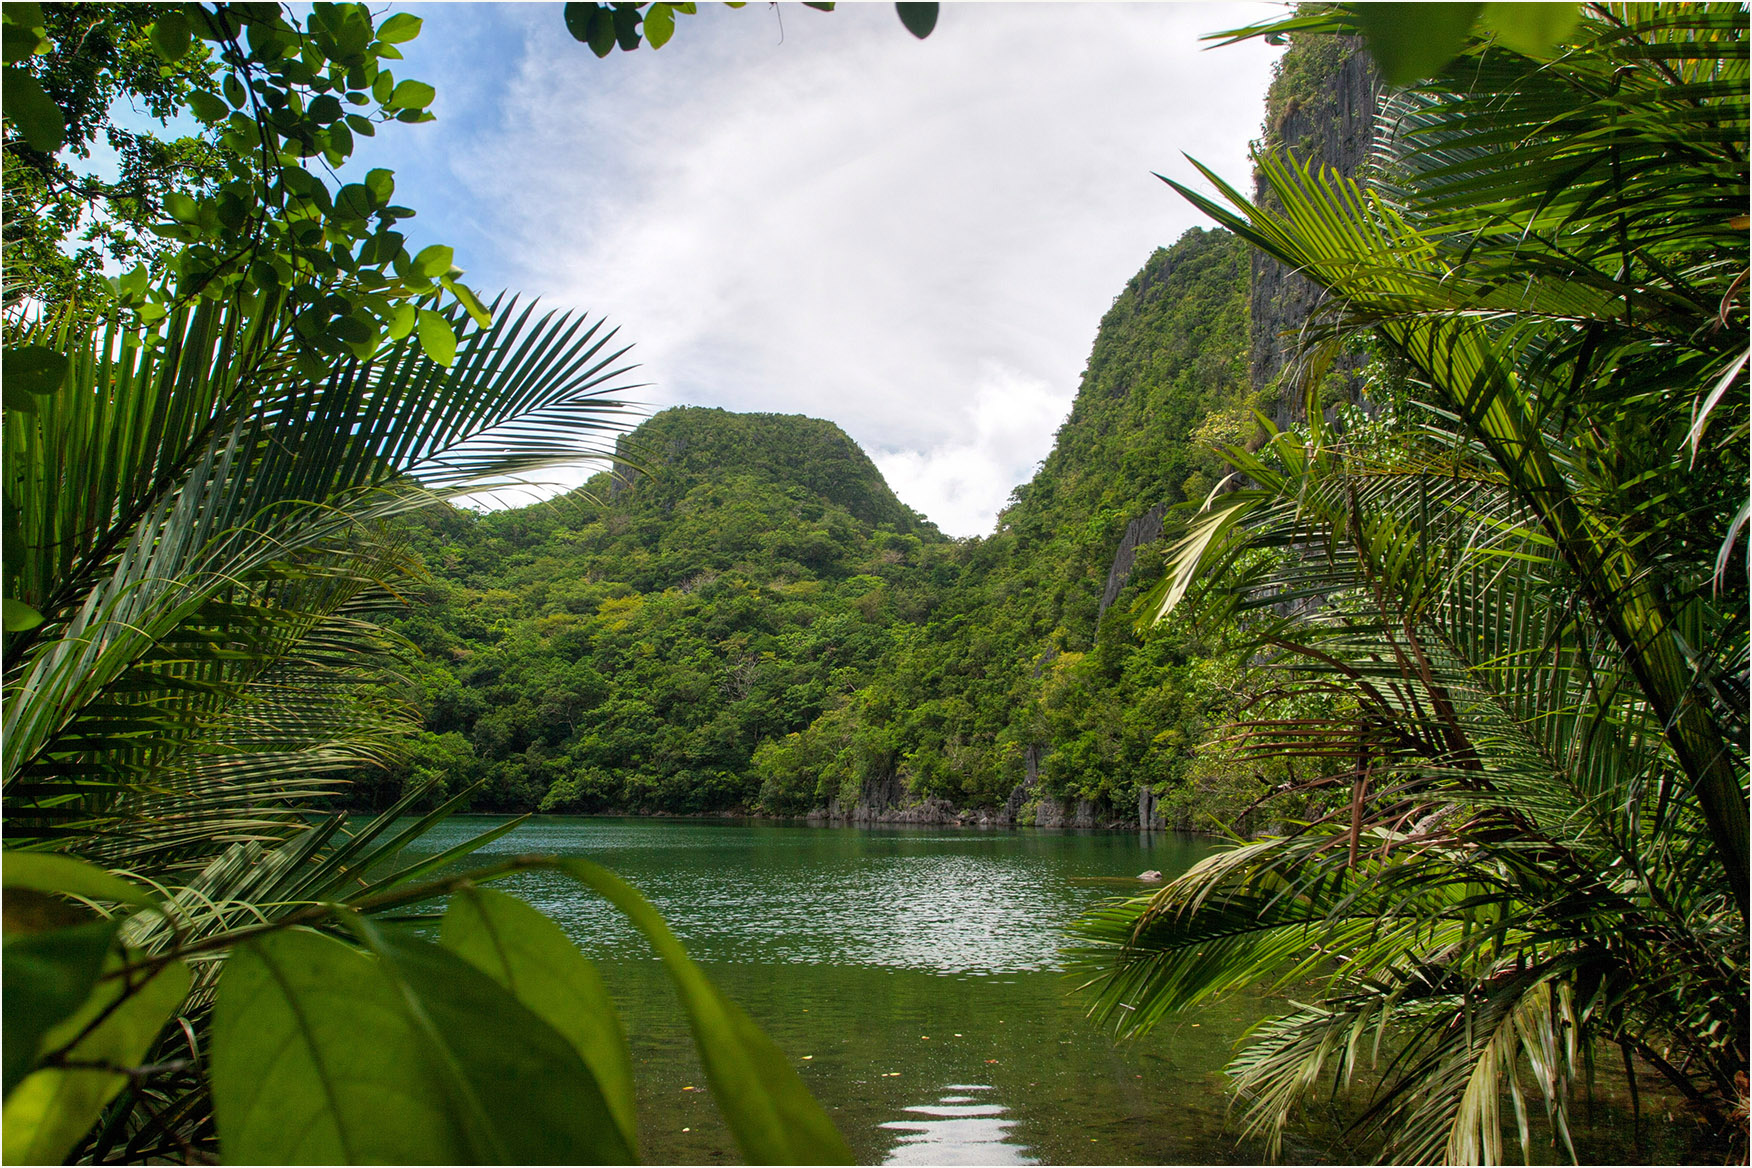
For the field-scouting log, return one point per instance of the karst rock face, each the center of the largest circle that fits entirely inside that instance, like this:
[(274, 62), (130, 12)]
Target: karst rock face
[(1321, 108)]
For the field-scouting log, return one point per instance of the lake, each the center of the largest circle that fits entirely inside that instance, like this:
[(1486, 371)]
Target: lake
[(912, 974)]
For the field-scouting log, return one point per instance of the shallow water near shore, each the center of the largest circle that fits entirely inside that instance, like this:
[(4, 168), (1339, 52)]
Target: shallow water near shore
[(912, 975)]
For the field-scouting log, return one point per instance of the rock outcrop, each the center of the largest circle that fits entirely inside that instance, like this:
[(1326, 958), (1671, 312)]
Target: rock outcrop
[(1321, 109)]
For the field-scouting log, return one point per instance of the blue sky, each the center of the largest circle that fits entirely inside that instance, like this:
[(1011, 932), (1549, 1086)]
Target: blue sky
[(914, 239)]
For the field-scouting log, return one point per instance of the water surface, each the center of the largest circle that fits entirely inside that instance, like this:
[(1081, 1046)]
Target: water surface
[(912, 975)]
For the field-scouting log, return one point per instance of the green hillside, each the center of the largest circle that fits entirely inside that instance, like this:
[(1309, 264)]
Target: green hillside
[(1023, 685), (745, 618), (629, 645)]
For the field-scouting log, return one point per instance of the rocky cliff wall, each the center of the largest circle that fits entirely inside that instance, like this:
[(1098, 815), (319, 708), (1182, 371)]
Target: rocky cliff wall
[(1321, 108)]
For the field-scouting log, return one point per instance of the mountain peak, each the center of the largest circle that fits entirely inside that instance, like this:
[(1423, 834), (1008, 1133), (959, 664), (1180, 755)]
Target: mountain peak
[(678, 450)]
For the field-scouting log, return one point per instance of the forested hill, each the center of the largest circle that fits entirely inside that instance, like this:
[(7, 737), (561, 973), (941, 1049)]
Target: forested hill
[(629, 645), (1027, 692), (680, 451), (751, 620)]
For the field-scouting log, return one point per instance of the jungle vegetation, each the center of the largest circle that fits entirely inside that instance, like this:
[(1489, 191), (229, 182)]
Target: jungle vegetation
[(204, 465), (744, 618), (1520, 587), (1475, 629)]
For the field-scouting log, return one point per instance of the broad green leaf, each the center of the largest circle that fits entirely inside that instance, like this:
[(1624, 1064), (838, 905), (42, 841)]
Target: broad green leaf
[(19, 616), (601, 33), (410, 95), (1532, 29), (354, 200), (208, 107), (31, 371), (470, 302), (399, 29), (53, 1108), (530, 956), (400, 321), (520, 1083), (626, 28), (315, 1061), (324, 1054), (18, 43), (181, 207), (770, 1111), (384, 87), (170, 36), (437, 338), (578, 18), (381, 184), (24, 13), (52, 872), (47, 976), (1413, 41), (659, 25), (434, 261), (22, 31), (37, 117), (919, 19)]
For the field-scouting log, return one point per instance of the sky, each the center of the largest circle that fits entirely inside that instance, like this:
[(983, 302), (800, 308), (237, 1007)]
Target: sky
[(792, 211)]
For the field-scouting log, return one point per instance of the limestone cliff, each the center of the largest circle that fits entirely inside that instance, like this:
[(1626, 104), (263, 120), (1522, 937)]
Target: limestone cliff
[(1321, 108)]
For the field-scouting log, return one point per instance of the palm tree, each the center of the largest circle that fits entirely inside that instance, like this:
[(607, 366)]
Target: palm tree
[(206, 536), (1515, 591), (205, 532)]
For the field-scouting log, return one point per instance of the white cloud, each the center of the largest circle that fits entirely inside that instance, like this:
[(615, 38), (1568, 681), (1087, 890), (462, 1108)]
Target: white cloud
[(999, 437), (914, 239)]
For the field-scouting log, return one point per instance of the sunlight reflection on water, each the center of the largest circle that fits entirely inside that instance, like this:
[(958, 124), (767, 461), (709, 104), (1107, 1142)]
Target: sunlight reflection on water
[(956, 1130), (961, 903)]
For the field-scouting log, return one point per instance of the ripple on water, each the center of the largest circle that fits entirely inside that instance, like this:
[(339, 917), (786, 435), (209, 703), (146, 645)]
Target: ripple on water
[(948, 903)]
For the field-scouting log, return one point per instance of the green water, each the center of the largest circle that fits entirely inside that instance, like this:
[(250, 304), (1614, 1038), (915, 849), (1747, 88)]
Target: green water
[(913, 976)]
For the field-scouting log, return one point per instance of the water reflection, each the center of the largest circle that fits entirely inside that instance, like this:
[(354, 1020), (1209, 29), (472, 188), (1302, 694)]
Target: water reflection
[(962, 1127)]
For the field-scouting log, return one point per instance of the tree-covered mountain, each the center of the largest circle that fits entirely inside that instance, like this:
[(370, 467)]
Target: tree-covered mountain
[(631, 644), (744, 617), (1028, 685)]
